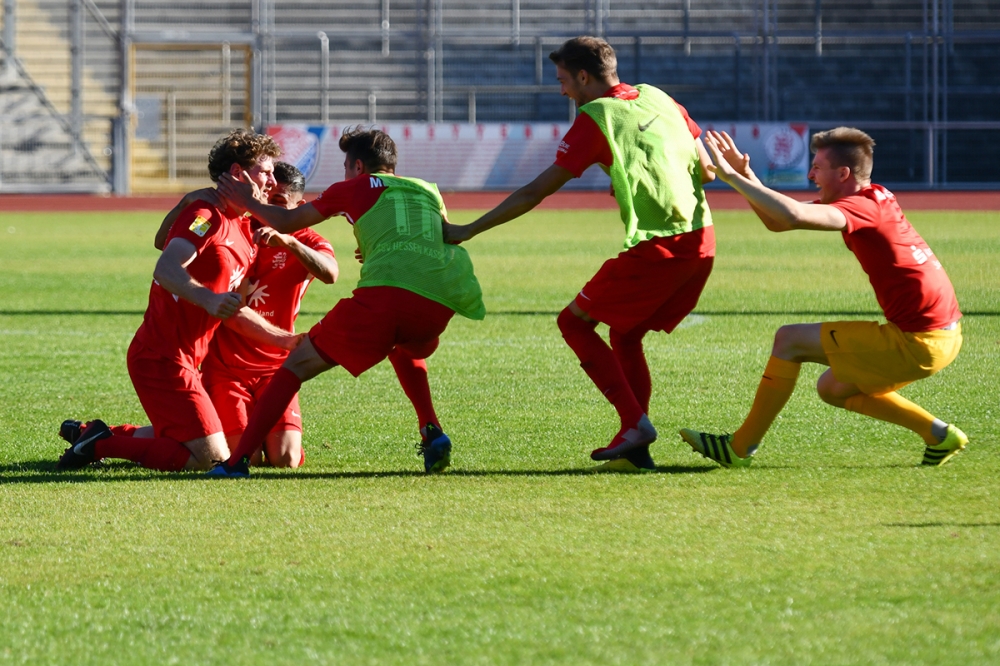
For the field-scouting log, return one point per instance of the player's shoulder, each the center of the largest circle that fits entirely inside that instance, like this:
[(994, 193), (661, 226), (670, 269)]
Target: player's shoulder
[(201, 219)]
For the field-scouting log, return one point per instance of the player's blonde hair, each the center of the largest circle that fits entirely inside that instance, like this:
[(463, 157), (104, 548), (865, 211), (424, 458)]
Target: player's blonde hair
[(242, 147), (849, 147)]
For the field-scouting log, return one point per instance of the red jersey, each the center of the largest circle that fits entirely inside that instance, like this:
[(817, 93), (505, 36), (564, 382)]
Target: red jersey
[(585, 144), (278, 281), (910, 285), (350, 198), (175, 328)]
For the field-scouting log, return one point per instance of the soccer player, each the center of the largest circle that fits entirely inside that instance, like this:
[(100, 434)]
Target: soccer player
[(650, 147), (411, 285), (237, 368), (868, 362), (195, 287)]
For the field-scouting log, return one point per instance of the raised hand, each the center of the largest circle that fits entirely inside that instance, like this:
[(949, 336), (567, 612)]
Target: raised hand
[(270, 237), (730, 153), (456, 233), (239, 193)]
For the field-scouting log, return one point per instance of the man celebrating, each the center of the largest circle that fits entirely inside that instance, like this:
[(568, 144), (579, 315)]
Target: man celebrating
[(649, 146), (411, 285), (237, 368), (195, 287), (868, 362)]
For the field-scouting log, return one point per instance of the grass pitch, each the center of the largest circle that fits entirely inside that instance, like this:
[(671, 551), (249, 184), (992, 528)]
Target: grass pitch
[(836, 547)]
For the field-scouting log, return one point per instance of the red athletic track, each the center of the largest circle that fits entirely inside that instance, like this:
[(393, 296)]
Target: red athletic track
[(718, 200)]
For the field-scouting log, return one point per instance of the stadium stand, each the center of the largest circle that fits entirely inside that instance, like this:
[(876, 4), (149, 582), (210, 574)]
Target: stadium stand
[(334, 61)]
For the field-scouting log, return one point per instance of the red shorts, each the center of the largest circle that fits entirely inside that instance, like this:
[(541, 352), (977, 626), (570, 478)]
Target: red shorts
[(172, 395), (642, 288), (235, 396), (361, 331)]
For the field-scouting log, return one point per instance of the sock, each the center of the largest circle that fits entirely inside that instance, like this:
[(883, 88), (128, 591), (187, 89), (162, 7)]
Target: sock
[(939, 429), (601, 365), (894, 408), (272, 404), (412, 374), (628, 350), (775, 388), (124, 430), (160, 453)]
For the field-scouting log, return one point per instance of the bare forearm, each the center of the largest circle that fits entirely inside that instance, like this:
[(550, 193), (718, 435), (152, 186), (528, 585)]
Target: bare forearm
[(514, 206), (249, 324), (175, 279), (777, 211), (322, 266)]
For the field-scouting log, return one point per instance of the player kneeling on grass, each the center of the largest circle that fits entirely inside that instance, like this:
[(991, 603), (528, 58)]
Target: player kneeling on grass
[(237, 368), (649, 146), (411, 285), (868, 362), (198, 283)]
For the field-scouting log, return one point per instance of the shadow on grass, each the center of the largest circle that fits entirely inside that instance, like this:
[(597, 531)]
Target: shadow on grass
[(32, 472), (533, 313), (941, 524)]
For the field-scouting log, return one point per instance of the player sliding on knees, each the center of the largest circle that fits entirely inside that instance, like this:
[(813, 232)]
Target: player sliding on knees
[(650, 147), (868, 362), (237, 368), (198, 282), (411, 285)]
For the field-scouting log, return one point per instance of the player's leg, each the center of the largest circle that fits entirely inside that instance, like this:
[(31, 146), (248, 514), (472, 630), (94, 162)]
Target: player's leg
[(284, 448), (411, 370), (602, 366), (627, 348), (304, 363)]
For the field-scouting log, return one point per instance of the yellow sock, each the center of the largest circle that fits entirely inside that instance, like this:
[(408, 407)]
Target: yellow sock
[(894, 408), (773, 392)]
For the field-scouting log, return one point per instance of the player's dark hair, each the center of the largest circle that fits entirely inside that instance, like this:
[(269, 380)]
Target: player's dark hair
[(241, 147), (590, 54), (375, 148), (289, 175), (848, 147)]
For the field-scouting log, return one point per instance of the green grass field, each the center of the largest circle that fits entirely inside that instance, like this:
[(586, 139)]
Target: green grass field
[(835, 548)]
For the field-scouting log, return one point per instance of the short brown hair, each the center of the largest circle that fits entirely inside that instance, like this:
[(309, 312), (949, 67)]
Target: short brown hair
[(241, 147), (289, 175), (849, 147), (375, 148), (590, 54)]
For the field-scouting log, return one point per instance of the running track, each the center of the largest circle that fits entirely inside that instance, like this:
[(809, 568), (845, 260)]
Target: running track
[(718, 200)]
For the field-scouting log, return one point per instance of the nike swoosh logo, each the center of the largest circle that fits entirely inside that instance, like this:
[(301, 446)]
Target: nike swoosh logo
[(78, 447), (296, 414), (644, 127), (834, 337), (229, 242)]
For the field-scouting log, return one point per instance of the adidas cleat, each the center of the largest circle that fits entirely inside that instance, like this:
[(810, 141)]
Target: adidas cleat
[(715, 447), (223, 470), (642, 435), (84, 450), (434, 448), (939, 454)]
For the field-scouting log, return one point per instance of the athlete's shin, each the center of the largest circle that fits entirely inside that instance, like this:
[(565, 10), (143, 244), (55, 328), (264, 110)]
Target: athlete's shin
[(894, 408), (776, 386), (601, 365), (412, 375), (271, 405)]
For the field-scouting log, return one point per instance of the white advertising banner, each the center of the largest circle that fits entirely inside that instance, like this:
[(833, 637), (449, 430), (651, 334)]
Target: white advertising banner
[(505, 156)]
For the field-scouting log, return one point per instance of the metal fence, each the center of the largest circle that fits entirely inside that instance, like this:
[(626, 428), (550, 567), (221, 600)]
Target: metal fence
[(129, 94)]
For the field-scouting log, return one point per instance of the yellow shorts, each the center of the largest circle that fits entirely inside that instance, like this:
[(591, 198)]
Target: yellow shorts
[(882, 358)]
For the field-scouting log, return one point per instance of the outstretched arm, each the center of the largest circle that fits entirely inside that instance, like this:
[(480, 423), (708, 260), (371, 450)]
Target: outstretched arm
[(516, 205), (242, 196), (777, 211), (321, 266), (209, 194)]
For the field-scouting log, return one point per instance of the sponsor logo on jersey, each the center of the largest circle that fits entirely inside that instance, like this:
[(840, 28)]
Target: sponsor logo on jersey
[(236, 277), (200, 226), (258, 294)]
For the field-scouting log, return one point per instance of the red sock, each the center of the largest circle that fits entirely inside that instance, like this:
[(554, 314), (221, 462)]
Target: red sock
[(601, 365), (125, 430), (628, 350), (162, 453), (273, 401), (412, 374)]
